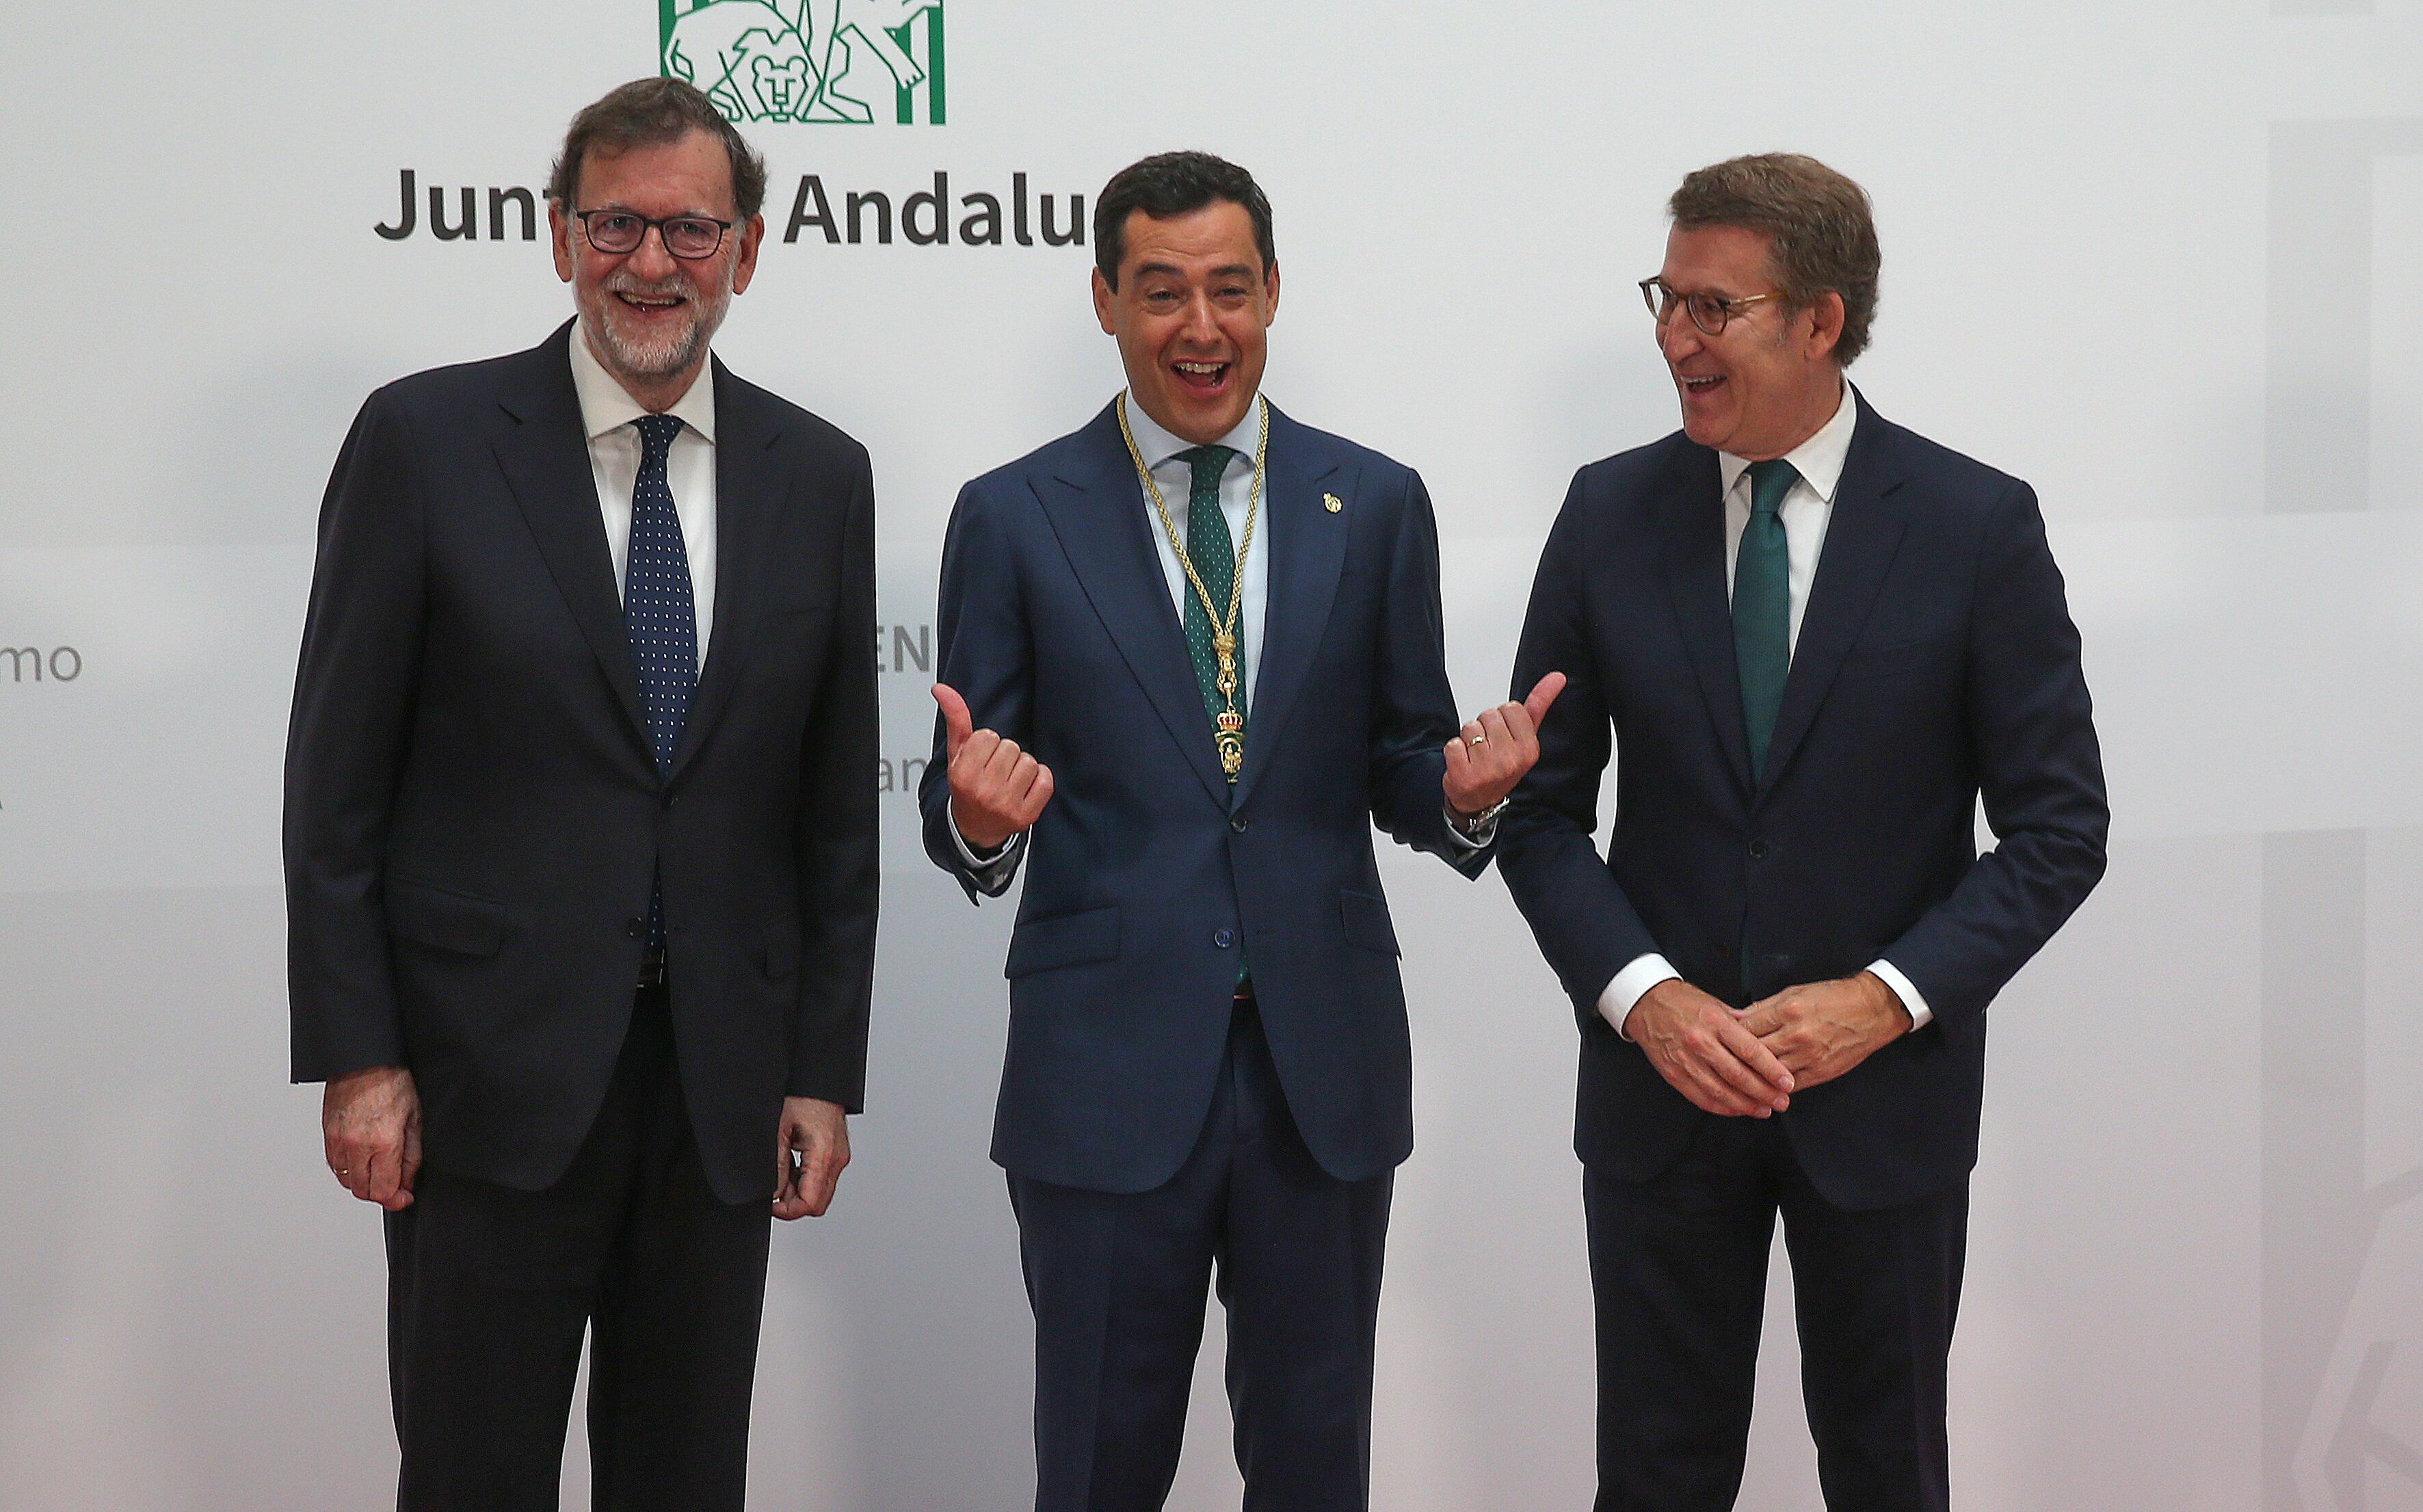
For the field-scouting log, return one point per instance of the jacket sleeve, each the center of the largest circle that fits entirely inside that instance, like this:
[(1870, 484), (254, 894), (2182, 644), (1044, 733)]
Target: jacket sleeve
[(839, 836), (1413, 708), (1585, 927), (2040, 774), (355, 689), (987, 657)]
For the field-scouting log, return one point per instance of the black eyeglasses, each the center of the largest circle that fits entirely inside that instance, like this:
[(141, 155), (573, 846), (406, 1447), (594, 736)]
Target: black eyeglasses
[(617, 232), (1709, 313)]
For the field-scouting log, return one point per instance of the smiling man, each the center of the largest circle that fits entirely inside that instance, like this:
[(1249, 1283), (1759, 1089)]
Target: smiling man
[(580, 843), (1814, 641), (1190, 654)]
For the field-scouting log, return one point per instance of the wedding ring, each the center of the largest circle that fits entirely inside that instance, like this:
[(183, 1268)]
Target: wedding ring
[(1476, 740)]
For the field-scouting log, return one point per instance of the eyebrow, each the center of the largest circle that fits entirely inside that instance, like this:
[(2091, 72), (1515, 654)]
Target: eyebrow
[(1171, 270)]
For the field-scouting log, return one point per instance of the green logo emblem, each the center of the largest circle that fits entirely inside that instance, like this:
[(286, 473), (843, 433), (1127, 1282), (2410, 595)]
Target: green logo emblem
[(832, 62)]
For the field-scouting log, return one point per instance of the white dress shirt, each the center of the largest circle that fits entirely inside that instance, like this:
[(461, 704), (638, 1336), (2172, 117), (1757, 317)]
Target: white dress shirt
[(1806, 511), (611, 416)]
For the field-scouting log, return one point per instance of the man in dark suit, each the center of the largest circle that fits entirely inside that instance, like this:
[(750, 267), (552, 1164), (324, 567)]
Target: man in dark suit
[(1817, 640), (580, 843), (1190, 654)]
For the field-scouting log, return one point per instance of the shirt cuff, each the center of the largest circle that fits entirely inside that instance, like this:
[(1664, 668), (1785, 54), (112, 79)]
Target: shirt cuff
[(1484, 834), (990, 873), (1631, 984), (1913, 1002)]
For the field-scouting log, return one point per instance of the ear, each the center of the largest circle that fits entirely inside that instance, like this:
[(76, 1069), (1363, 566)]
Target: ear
[(1825, 324), (744, 263), (559, 236), (1102, 296), (1271, 295)]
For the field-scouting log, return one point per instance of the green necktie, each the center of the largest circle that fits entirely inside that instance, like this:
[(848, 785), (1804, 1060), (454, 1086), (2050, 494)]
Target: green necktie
[(1215, 555), (1763, 606)]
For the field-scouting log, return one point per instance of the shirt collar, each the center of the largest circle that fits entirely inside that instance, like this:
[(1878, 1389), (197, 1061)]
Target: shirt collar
[(1817, 460), (606, 405), (1159, 446)]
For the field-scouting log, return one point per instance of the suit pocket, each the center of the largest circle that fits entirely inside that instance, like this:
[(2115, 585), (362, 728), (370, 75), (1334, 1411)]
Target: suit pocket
[(1070, 940), (1365, 918), (805, 606), (444, 919)]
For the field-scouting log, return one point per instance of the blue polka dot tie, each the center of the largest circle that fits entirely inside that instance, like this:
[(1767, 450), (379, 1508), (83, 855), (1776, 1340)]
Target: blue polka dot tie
[(658, 615)]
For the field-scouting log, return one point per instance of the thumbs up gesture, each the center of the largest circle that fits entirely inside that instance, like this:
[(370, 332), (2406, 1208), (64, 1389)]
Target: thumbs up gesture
[(1492, 753), (997, 790)]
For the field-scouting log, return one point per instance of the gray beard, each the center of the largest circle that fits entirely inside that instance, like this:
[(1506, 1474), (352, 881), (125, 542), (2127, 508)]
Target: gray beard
[(659, 358)]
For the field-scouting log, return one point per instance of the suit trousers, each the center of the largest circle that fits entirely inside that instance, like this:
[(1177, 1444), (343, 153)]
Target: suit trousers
[(1678, 1269), (490, 1291), (1118, 1282)]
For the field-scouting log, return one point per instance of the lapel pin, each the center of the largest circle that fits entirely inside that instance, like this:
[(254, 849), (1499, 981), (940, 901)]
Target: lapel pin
[(1332, 503)]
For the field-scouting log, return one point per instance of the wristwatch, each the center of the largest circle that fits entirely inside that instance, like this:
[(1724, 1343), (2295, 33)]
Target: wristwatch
[(1479, 824)]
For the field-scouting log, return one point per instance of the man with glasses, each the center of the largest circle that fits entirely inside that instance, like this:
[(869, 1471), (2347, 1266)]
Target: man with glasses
[(1815, 640), (580, 843)]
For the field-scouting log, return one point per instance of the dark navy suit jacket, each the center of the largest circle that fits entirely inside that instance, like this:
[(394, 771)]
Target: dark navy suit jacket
[(1148, 872), (1936, 662), (474, 815)]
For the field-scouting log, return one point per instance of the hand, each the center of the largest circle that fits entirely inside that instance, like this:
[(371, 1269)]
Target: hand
[(816, 1133), (1490, 755), (1708, 1053), (1823, 1029), (369, 1128), (997, 790)]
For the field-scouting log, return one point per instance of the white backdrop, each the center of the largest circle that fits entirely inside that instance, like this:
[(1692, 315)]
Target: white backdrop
[(2160, 258)]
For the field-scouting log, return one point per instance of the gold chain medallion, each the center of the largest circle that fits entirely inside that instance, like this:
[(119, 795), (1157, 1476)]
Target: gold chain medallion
[(1228, 733)]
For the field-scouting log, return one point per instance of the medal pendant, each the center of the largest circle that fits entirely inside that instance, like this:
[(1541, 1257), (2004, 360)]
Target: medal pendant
[(1233, 752)]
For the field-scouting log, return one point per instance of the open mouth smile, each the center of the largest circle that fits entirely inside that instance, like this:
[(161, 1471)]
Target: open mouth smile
[(1202, 378)]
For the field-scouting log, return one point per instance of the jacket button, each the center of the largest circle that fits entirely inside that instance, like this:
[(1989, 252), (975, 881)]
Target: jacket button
[(635, 928), (669, 801), (1237, 825), (1225, 939), (1760, 850)]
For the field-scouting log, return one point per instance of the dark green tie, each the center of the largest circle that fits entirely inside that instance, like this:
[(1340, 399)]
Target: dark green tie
[(1763, 606), (1215, 555)]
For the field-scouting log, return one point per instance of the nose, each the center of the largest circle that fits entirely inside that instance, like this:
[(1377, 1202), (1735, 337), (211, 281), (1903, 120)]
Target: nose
[(1677, 337), (1201, 326), (651, 259)]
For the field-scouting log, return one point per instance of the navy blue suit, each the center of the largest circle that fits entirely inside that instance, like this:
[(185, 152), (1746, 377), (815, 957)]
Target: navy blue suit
[(1150, 872), (1936, 665)]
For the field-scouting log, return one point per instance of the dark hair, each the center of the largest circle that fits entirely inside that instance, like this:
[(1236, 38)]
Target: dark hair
[(1822, 235), (1169, 184), (654, 112)]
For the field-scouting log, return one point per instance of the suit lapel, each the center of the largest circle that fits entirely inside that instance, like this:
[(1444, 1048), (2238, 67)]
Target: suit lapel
[(1307, 550), (1860, 539), (1097, 508), (750, 486), (1695, 577), (546, 462)]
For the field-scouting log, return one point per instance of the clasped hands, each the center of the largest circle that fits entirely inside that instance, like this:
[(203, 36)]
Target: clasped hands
[(369, 1127), (1747, 1063)]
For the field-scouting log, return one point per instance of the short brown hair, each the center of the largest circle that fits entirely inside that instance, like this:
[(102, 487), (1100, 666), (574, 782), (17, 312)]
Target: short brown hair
[(654, 113), (1822, 235)]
